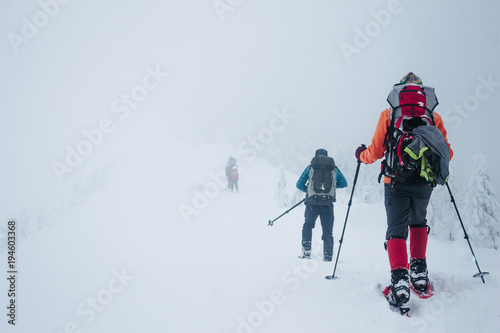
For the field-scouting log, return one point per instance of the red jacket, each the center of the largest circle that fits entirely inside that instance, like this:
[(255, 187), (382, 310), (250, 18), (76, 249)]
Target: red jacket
[(376, 150), (234, 174)]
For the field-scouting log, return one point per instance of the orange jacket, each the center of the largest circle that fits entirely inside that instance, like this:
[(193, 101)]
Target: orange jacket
[(376, 150)]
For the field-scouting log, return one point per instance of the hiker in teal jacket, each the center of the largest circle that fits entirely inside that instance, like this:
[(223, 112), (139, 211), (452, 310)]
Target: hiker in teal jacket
[(325, 213)]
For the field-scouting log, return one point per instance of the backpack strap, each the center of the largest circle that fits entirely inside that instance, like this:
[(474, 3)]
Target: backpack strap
[(390, 129)]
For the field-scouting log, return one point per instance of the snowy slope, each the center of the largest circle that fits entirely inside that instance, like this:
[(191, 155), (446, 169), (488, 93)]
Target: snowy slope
[(125, 260)]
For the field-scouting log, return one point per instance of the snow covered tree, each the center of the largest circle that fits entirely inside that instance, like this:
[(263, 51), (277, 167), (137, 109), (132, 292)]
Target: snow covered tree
[(281, 197), (441, 215), (482, 210), (296, 197), (368, 189)]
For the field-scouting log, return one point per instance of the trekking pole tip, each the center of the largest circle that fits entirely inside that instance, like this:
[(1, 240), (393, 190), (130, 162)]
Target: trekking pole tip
[(481, 275), (270, 223)]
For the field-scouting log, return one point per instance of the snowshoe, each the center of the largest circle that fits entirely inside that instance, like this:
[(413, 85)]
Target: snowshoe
[(423, 295), (305, 254), (396, 305)]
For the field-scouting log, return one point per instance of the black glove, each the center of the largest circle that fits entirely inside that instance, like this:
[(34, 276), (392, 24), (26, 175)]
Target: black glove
[(360, 149)]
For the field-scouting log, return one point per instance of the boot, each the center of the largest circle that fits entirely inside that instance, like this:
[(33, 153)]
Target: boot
[(306, 250), (327, 250), (400, 287), (418, 275)]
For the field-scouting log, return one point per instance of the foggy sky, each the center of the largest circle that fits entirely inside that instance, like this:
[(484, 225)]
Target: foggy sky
[(229, 64)]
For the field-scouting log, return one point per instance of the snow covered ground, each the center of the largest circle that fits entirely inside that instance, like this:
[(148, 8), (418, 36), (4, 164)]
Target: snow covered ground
[(125, 259)]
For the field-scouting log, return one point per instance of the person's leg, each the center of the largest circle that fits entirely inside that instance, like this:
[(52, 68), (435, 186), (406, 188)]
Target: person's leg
[(418, 222), (398, 210), (327, 219), (418, 238), (311, 214)]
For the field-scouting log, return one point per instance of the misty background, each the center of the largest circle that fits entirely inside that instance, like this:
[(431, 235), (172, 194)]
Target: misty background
[(231, 66)]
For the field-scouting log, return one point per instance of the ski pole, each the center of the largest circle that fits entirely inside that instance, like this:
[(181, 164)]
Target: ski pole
[(331, 277), (271, 222), (480, 274)]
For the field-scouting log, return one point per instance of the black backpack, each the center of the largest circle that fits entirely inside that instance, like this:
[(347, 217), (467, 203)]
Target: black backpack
[(412, 105), (322, 179)]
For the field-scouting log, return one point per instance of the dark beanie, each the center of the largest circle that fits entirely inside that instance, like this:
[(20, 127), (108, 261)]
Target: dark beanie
[(321, 152)]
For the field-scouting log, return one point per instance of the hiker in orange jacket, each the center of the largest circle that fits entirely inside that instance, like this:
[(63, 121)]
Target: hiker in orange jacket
[(376, 150), (406, 200), (234, 179)]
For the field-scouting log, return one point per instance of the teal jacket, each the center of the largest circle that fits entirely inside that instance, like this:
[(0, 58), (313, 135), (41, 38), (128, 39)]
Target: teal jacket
[(301, 183)]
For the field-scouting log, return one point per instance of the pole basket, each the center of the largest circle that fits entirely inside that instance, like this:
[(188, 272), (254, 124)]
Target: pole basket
[(480, 275)]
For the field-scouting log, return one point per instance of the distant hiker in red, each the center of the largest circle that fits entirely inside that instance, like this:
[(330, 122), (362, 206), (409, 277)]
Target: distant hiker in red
[(229, 170), (414, 141), (234, 179)]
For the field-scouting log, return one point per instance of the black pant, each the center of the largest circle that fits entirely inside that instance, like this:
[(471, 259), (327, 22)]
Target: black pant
[(325, 214), (405, 205)]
